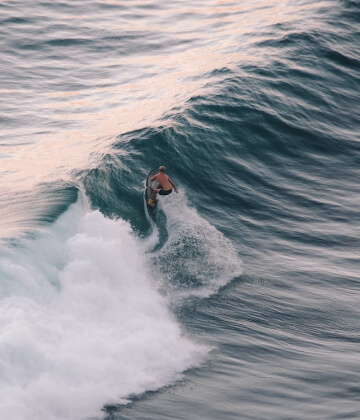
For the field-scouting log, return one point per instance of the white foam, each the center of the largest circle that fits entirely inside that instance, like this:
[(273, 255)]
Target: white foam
[(197, 259), (81, 323)]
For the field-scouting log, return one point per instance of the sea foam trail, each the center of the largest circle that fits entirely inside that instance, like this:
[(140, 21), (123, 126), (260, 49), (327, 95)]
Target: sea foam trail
[(81, 323), (197, 259)]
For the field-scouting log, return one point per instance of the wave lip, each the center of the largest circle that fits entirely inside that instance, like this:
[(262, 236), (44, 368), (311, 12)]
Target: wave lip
[(82, 324)]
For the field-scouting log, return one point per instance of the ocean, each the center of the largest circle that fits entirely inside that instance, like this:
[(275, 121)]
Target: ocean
[(239, 298)]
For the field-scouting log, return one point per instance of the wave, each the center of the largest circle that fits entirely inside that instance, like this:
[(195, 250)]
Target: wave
[(85, 308), (82, 323)]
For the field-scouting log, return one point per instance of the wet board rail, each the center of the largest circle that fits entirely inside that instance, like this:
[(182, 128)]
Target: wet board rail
[(148, 192)]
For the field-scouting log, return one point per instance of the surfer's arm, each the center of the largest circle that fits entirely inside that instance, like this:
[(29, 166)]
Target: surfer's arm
[(173, 185), (153, 178)]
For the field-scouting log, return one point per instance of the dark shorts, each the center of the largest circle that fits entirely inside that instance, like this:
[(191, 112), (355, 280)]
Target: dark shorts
[(165, 192)]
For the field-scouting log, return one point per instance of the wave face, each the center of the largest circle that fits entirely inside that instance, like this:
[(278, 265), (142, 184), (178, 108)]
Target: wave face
[(239, 299)]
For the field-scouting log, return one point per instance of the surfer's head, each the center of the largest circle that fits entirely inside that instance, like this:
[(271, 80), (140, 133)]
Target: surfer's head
[(162, 169)]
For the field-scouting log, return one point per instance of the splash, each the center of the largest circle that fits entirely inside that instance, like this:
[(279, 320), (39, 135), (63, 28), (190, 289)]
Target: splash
[(82, 324), (196, 259)]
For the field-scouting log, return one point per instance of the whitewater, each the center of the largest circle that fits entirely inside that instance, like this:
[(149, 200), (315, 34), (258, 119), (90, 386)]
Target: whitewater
[(83, 321)]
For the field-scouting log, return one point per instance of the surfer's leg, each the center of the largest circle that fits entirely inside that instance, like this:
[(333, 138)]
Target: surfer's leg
[(154, 192)]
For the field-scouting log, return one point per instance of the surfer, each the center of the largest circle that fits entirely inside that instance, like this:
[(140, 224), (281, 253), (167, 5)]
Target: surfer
[(165, 185)]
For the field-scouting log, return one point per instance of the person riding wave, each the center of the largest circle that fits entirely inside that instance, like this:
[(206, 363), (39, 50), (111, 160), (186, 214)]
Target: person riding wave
[(165, 185)]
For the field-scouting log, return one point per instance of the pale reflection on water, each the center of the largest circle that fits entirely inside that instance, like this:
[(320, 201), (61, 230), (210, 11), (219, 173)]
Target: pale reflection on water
[(118, 92)]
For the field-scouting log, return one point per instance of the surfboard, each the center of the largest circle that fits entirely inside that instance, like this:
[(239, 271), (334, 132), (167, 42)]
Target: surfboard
[(150, 205)]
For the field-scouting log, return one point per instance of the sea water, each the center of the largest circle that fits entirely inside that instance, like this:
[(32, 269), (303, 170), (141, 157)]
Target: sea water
[(239, 298)]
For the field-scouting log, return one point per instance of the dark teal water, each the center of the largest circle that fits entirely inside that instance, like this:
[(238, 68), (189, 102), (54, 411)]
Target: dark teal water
[(241, 299)]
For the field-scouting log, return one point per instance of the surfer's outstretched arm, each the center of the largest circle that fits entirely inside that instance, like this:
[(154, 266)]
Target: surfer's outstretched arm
[(173, 185)]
